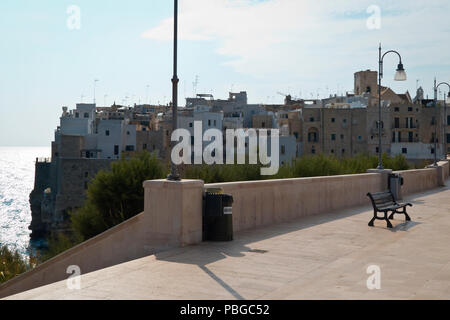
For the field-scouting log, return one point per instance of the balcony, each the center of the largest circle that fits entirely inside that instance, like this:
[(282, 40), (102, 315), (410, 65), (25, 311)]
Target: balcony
[(374, 131), (416, 126)]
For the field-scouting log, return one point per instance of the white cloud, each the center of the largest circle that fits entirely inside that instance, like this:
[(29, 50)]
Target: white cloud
[(312, 40)]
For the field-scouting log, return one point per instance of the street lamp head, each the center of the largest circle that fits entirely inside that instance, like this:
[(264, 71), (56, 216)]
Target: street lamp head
[(400, 75), (448, 98)]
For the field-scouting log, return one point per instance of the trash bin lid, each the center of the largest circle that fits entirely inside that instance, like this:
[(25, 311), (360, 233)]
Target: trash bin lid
[(214, 190)]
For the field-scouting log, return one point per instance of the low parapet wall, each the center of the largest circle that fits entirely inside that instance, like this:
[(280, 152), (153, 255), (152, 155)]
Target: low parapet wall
[(173, 216), (419, 180), (261, 203), (110, 248), (132, 239)]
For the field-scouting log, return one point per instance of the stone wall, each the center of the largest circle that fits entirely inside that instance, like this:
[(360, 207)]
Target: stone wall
[(261, 203), (67, 180), (419, 180)]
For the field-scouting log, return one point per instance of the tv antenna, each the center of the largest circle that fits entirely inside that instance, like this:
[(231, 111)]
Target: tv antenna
[(195, 85), (95, 84)]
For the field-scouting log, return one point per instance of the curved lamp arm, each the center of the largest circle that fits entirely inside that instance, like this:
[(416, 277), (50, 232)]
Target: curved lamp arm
[(400, 69), (448, 85)]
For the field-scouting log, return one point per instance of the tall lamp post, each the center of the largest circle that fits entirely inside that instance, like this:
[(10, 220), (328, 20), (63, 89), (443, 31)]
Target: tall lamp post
[(400, 75), (174, 175), (436, 116)]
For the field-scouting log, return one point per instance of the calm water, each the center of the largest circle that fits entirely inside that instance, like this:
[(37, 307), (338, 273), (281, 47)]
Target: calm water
[(16, 183)]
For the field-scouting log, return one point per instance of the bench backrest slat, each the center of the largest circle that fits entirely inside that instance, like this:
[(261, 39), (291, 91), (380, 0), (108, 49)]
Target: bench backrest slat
[(381, 199)]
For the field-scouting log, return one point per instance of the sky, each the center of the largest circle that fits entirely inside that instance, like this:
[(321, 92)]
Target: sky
[(52, 52)]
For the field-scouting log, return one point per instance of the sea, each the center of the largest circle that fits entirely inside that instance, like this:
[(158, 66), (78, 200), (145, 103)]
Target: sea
[(16, 183)]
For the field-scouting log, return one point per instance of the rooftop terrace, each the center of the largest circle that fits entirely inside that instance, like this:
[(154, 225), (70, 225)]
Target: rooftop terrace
[(323, 256)]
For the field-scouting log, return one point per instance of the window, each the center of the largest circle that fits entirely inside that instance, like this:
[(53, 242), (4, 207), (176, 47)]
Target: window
[(86, 115), (399, 136), (359, 138), (209, 123), (192, 140), (448, 120), (312, 137), (215, 122), (433, 137), (342, 137), (77, 115), (311, 119), (85, 185), (332, 150), (344, 121), (333, 120), (410, 109), (333, 137), (343, 151), (296, 135), (128, 133), (396, 109), (397, 123), (190, 125), (283, 149), (410, 136), (313, 150), (116, 150), (432, 150), (448, 137), (263, 124), (433, 120), (107, 132), (144, 146), (404, 150), (377, 150), (86, 174), (129, 148)]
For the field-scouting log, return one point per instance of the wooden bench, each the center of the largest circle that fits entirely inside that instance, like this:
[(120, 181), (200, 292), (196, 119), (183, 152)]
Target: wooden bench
[(385, 202)]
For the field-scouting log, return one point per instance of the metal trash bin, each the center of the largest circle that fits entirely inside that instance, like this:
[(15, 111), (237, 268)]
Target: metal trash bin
[(395, 182), (217, 216)]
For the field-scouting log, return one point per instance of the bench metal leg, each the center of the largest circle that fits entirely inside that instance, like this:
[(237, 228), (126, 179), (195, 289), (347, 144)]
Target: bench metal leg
[(389, 224), (373, 219), (407, 217)]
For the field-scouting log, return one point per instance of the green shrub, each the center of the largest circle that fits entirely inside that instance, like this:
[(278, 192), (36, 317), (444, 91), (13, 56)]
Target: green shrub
[(116, 195), (223, 173), (305, 166), (13, 264)]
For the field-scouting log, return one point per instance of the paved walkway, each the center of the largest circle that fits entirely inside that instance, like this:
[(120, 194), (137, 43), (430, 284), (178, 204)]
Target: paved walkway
[(321, 257)]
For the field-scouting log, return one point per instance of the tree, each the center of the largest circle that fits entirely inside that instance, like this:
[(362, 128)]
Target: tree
[(116, 195)]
